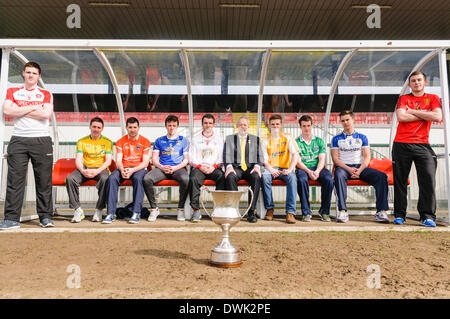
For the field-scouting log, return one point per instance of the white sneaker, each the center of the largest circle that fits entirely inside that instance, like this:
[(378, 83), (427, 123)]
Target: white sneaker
[(381, 217), (180, 215), (342, 216), (97, 216), (78, 215), (154, 212)]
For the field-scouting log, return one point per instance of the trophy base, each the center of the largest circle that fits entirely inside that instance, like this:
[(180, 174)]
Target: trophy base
[(225, 259)]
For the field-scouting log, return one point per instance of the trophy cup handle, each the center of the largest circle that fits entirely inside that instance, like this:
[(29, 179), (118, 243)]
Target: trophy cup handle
[(203, 205), (251, 192)]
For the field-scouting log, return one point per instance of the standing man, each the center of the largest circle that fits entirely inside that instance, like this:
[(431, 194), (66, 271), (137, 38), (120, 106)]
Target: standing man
[(350, 152), (31, 108), (205, 154), (132, 158), (243, 158), (312, 167), (170, 157), (93, 157), (280, 157), (415, 112)]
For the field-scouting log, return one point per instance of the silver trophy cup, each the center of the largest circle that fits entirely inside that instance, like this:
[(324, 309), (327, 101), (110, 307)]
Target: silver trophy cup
[(226, 214)]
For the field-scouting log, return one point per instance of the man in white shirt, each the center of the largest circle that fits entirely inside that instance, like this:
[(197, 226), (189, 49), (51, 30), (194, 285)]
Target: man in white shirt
[(350, 152), (205, 155), (31, 107)]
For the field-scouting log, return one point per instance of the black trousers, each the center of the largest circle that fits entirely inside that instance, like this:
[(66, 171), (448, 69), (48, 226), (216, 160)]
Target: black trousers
[(425, 160), (73, 182), (40, 151), (196, 179), (253, 179)]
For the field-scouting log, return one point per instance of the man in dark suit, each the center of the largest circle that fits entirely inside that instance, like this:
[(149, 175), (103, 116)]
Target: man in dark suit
[(243, 158)]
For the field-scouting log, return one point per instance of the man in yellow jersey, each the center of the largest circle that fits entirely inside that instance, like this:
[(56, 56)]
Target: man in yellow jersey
[(93, 157), (280, 157)]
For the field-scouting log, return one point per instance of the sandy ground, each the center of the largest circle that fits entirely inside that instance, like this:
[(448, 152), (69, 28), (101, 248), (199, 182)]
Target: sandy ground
[(175, 264)]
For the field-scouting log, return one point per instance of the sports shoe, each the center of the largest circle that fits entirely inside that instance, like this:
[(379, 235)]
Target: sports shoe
[(109, 219), (325, 217), (342, 216), (399, 221), (269, 214), (290, 218), (135, 218), (196, 216), (251, 218), (306, 218), (97, 216), (47, 222), (428, 223), (180, 215), (154, 212), (9, 224), (381, 217), (78, 215)]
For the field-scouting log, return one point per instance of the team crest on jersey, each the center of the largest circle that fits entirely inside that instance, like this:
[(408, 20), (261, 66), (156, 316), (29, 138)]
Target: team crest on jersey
[(138, 147), (316, 148)]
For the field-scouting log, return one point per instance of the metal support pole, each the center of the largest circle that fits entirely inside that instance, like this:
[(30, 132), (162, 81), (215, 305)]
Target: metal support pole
[(3, 87), (105, 62), (334, 85), (187, 73), (262, 83), (446, 115)]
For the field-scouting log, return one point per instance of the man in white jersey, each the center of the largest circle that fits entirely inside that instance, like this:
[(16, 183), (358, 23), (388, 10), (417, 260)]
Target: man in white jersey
[(350, 152), (31, 108), (205, 155)]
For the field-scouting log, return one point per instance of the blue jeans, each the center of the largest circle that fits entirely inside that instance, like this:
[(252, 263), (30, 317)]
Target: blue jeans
[(326, 182), (371, 176), (112, 189), (291, 190)]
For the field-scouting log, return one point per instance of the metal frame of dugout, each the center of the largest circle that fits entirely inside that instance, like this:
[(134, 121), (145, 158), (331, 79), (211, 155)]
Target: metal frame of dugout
[(17, 47)]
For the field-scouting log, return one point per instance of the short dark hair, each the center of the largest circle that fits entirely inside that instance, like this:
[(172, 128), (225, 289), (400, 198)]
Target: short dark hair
[(171, 118), (346, 112), (208, 116), (32, 65), (132, 120), (417, 73), (96, 119), (305, 118), (275, 117)]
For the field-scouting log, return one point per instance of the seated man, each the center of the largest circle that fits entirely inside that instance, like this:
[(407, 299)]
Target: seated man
[(243, 159), (205, 154), (346, 151), (280, 157), (93, 157), (169, 158), (132, 158), (312, 167)]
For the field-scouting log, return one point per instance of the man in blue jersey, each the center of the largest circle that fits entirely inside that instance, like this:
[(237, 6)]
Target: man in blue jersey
[(350, 152), (169, 158)]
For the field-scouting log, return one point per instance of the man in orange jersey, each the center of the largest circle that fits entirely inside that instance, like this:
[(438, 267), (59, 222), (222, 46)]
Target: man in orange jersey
[(132, 158), (280, 157)]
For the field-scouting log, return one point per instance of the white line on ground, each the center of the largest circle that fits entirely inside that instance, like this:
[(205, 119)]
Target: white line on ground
[(237, 229)]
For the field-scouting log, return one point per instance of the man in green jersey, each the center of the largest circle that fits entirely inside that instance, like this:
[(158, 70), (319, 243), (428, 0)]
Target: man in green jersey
[(312, 167)]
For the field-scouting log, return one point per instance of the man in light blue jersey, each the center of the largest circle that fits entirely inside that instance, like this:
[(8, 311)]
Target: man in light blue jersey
[(350, 152), (169, 158)]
